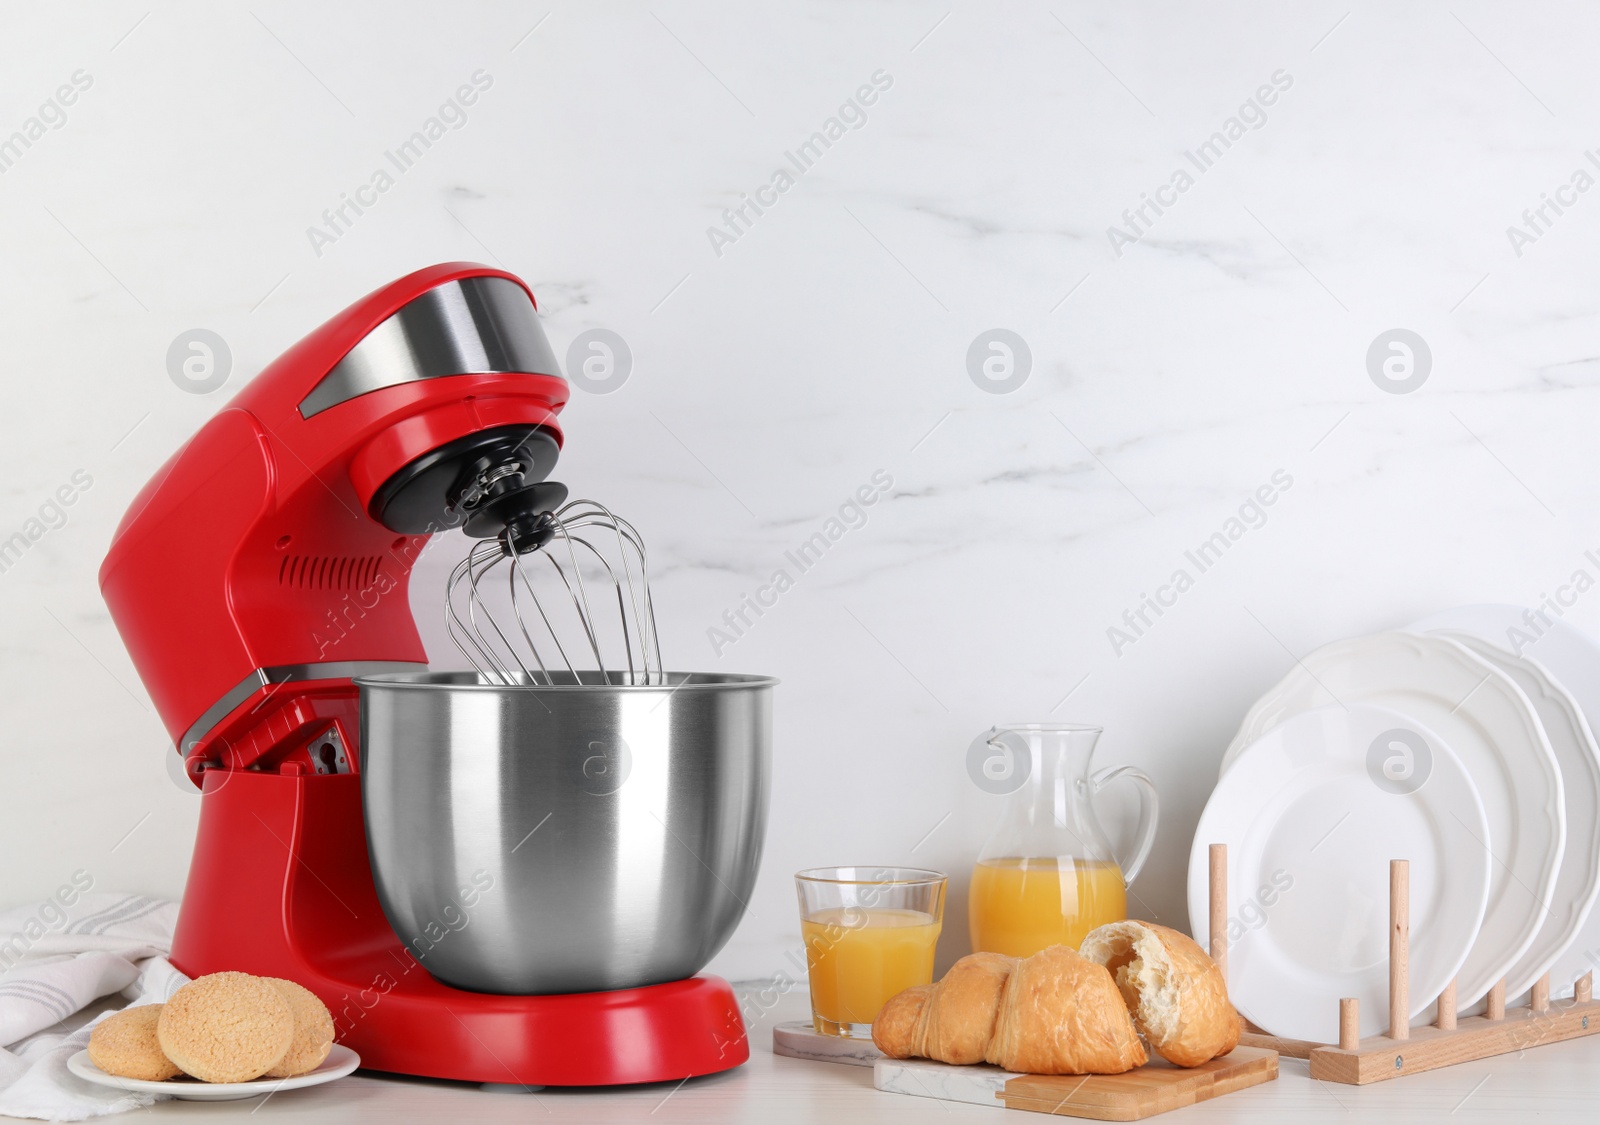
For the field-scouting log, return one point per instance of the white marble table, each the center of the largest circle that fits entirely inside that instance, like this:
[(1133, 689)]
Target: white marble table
[(1558, 1083)]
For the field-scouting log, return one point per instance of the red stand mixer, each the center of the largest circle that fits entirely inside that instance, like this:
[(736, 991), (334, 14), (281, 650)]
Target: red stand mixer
[(265, 565)]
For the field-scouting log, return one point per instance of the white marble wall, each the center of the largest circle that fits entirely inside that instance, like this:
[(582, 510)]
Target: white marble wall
[(1227, 342)]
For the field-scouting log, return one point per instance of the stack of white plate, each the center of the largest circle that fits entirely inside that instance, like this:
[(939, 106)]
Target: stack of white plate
[(1462, 744)]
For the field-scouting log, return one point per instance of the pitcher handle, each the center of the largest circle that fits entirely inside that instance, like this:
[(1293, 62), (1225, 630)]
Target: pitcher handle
[(1149, 814)]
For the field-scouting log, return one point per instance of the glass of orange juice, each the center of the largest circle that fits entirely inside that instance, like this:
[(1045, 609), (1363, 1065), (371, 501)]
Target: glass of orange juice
[(869, 933)]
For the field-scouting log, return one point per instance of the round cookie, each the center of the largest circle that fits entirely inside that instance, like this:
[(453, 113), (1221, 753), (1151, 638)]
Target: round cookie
[(124, 1044), (313, 1030), (226, 1027)]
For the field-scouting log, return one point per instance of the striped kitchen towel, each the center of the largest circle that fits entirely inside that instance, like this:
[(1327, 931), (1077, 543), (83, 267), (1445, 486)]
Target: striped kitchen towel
[(57, 957)]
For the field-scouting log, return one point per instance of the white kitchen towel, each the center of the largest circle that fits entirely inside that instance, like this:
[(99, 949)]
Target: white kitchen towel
[(57, 957)]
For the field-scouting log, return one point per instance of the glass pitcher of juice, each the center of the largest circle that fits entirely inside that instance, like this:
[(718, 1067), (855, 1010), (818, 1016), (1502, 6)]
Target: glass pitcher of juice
[(1048, 875)]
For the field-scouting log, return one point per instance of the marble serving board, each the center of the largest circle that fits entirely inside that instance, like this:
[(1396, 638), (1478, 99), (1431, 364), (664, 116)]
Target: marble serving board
[(800, 1040), (1151, 1089)]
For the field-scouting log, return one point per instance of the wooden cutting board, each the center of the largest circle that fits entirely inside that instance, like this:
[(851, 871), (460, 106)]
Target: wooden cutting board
[(1149, 1090)]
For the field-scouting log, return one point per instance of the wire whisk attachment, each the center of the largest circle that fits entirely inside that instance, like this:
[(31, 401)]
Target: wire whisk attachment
[(552, 624)]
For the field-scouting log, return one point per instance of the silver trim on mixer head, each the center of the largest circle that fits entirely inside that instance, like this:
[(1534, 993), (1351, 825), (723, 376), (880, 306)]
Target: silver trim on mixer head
[(474, 326), (283, 674)]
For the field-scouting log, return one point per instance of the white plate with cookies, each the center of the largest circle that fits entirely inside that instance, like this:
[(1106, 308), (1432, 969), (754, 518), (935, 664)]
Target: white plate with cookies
[(220, 1037), (340, 1062)]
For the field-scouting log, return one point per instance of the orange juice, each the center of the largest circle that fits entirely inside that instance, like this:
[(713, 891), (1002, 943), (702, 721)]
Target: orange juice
[(857, 958), (1020, 906)]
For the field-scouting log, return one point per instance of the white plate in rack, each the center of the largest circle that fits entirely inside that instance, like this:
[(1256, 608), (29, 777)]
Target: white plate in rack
[(1312, 812), (1558, 668), (1492, 726), (340, 1062)]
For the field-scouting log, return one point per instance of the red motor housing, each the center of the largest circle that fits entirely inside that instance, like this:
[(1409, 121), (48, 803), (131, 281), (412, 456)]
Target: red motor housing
[(253, 556)]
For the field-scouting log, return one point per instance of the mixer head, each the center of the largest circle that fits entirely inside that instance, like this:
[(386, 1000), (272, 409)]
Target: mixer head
[(491, 484), (267, 562)]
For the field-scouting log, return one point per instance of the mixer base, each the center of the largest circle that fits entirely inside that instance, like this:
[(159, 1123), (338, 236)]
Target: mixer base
[(666, 1032), (280, 886)]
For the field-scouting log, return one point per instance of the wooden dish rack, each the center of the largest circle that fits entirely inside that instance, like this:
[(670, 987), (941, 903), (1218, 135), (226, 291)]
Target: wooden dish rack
[(1404, 1049)]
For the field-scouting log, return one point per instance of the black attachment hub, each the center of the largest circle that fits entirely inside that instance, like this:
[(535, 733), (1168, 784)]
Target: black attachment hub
[(528, 533), (520, 517), (452, 485)]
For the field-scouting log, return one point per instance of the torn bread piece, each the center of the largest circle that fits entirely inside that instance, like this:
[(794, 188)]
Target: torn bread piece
[(1175, 993)]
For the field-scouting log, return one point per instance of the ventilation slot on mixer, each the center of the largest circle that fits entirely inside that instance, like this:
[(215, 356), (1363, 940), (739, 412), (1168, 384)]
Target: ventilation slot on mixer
[(328, 572)]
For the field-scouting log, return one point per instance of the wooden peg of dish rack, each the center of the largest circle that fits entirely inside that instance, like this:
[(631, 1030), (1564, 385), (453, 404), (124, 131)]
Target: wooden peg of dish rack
[(1404, 1049)]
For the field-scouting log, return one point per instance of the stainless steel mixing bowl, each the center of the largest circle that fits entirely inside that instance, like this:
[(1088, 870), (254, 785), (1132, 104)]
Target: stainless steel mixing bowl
[(567, 838)]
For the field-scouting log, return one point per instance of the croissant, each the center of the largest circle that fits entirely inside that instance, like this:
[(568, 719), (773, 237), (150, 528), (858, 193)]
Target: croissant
[(1176, 993), (1052, 1013), (951, 1021)]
